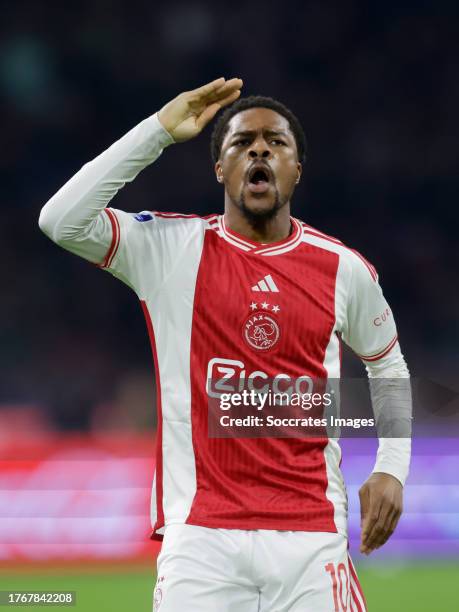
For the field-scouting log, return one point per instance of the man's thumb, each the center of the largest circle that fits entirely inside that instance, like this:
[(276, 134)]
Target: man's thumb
[(207, 115)]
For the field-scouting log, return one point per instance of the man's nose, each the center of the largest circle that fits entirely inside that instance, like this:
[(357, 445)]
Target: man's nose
[(260, 149)]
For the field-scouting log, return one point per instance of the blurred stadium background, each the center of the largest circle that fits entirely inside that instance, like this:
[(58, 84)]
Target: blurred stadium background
[(375, 86)]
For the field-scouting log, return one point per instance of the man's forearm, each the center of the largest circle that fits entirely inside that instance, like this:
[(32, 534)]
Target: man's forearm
[(392, 405)]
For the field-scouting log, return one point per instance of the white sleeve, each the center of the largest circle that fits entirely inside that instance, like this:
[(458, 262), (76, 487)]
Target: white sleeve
[(369, 328), (77, 219), (371, 332)]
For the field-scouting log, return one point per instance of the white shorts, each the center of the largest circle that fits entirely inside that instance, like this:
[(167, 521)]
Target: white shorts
[(232, 570)]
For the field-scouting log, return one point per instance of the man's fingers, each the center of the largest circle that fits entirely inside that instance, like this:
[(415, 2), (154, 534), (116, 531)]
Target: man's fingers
[(369, 513), (394, 519), (377, 534), (224, 91), (210, 111), (221, 93), (369, 521), (205, 102), (231, 97), (388, 531), (216, 90), (364, 496), (228, 88), (383, 528), (209, 88), (364, 503)]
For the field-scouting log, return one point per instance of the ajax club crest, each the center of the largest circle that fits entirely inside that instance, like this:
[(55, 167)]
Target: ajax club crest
[(261, 331)]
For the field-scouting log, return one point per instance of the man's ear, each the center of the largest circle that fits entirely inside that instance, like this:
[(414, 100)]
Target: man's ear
[(299, 168), (219, 172)]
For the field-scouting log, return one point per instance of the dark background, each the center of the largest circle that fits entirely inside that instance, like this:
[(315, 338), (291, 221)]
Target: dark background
[(375, 85)]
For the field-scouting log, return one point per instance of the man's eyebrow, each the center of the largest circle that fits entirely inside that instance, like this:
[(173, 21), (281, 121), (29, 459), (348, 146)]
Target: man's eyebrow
[(276, 132), (244, 133), (265, 130)]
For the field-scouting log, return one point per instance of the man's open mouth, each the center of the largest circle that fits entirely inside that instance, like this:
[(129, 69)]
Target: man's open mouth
[(259, 179)]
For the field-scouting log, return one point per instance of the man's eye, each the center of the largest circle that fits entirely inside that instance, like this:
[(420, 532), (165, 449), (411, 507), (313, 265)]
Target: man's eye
[(241, 142), (277, 141)]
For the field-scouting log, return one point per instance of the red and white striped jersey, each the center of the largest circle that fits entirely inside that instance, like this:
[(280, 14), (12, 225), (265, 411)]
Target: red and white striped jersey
[(199, 283)]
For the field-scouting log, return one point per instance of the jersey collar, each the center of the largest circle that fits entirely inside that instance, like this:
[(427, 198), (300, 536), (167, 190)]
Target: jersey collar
[(274, 248)]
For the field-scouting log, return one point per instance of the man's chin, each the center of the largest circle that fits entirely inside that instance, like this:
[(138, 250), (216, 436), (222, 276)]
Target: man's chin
[(260, 207), (265, 206)]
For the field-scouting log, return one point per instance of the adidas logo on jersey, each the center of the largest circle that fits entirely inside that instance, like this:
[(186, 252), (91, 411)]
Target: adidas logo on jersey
[(266, 284)]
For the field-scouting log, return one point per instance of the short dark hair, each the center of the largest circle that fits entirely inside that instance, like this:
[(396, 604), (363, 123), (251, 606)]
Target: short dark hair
[(221, 126)]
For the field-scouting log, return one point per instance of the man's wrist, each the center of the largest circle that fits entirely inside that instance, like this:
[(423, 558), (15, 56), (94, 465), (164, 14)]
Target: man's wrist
[(160, 126), (387, 473)]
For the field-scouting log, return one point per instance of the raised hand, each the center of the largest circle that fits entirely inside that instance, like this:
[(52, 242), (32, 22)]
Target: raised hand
[(185, 116)]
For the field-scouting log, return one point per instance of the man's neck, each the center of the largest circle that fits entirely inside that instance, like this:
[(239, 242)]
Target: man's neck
[(259, 229)]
